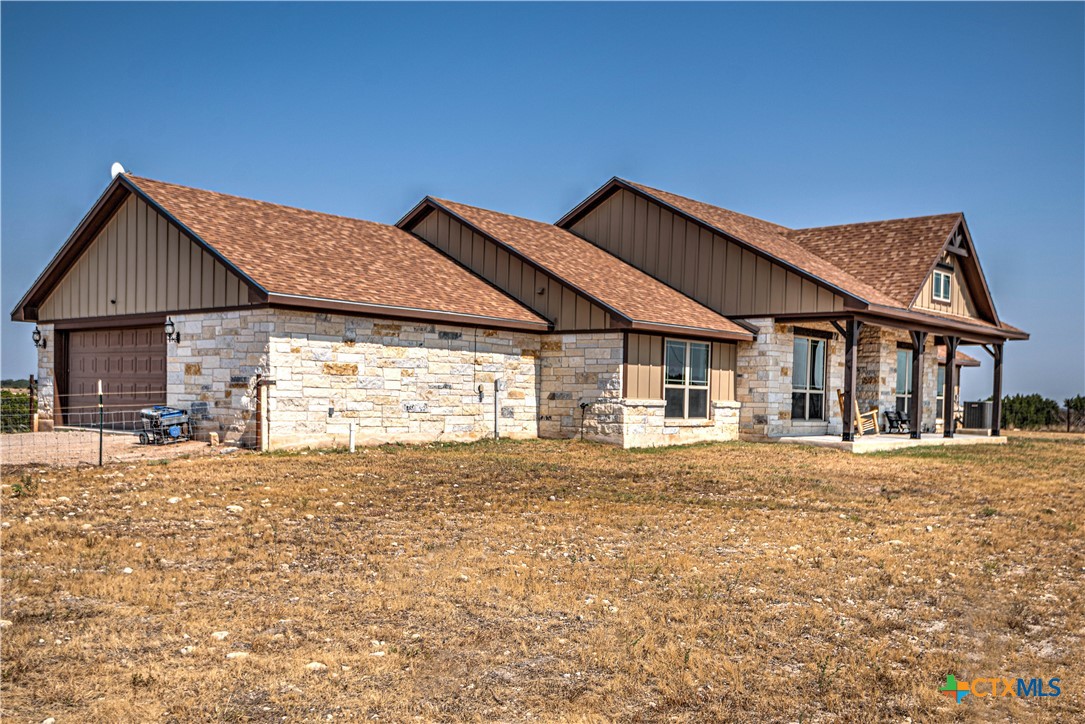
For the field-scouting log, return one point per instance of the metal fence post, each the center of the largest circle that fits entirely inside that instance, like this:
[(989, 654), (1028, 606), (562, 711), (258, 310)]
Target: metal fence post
[(101, 421)]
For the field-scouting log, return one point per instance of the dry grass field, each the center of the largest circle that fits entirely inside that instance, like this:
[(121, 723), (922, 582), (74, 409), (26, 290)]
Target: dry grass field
[(547, 581)]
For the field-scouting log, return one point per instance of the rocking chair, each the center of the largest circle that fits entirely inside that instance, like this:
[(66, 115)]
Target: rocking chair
[(865, 422)]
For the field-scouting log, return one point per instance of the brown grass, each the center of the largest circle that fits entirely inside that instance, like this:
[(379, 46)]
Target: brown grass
[(547, 580)]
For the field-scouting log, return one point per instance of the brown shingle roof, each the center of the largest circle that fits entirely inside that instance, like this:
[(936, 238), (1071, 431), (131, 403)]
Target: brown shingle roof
[(597, 273), (895, 256), (963, 360), (296, 252), (770, 238)]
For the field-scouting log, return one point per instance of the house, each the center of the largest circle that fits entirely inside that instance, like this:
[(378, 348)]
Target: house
[(640, 318)]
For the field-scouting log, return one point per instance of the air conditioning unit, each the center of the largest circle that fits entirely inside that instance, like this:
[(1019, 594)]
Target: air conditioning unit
[(977, 415)]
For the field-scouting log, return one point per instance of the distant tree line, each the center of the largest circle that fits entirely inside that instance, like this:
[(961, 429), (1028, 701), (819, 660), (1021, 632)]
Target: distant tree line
[(1036, 411), (15, 384)]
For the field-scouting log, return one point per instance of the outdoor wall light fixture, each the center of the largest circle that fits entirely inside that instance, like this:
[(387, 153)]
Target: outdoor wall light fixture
[(39, 341), (171, 334)]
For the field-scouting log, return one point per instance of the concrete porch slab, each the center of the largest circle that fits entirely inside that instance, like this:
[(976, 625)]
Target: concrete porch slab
[(884, 443)]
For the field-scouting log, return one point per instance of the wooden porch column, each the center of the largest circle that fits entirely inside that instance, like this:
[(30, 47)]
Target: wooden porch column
[(948, 408), (915, 408), (996, 391), (851, 343)]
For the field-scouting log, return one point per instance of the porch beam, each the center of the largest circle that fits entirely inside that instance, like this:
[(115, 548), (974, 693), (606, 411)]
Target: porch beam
[(948, 407), (915, 412), (851, 344), (996, 391)]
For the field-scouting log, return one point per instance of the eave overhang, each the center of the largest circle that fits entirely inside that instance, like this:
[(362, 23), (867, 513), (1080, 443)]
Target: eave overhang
[(406, 313), (915, 321)]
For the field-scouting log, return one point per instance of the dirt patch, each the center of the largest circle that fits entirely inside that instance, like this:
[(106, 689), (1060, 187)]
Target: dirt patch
[(547, 580), (72, 448)]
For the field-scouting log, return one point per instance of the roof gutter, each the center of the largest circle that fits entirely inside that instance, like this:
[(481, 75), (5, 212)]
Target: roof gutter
[(387, 310)]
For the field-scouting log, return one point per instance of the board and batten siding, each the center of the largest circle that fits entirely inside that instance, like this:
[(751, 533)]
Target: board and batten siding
[(560, 304), (713, 270), (960, 300), (644, 368), (146, 264)]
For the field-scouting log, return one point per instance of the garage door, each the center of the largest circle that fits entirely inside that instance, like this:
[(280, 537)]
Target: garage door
[(130, 362)]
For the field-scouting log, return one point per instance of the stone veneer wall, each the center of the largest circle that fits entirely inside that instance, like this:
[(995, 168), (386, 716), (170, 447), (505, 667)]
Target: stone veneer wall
[(643, 424), (46, 378), (397, 381), (581, 368), (877, 372), (763, 373), (212, 371)]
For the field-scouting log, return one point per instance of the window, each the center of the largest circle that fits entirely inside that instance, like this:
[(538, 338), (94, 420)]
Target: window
[(941, 389), (942, 285), (904, 380), (685, 386), (808, 379)]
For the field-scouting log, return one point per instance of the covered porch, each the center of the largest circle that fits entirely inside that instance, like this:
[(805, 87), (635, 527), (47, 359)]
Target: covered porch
[(883, 378), (888, 443)]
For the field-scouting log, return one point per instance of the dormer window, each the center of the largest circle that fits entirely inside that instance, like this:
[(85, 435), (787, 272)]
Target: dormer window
[(943, 285)]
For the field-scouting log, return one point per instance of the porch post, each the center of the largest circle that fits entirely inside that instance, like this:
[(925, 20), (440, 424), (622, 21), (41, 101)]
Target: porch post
[(851, 342), (915, 411), (996, 392), (949, 424)]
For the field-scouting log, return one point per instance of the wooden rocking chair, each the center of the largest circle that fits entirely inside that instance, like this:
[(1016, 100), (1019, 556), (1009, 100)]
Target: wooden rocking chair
[(865, 422)]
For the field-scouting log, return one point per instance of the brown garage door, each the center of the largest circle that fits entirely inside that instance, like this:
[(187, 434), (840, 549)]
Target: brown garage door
[(130, 362)]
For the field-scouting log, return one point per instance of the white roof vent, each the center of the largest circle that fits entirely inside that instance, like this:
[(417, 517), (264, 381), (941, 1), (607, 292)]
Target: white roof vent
[(116, 169)]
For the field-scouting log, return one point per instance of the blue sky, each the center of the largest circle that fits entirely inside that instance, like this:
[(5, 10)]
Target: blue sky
[(802, 114)]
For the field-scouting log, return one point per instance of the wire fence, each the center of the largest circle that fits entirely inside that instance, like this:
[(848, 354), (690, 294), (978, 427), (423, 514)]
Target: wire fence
[(92, 429)]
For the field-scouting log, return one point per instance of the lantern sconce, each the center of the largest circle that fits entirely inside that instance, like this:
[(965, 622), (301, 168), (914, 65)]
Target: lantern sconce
[(39, 341), (171, 334)]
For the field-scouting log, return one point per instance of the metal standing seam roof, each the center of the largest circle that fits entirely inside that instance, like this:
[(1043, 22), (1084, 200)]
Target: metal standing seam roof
[(595, 272), (291, 251)]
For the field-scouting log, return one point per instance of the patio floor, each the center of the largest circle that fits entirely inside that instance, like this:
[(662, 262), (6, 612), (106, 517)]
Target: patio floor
[(883, 443)]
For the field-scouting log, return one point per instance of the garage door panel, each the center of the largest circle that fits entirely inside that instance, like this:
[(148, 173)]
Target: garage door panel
[(130, 362)]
